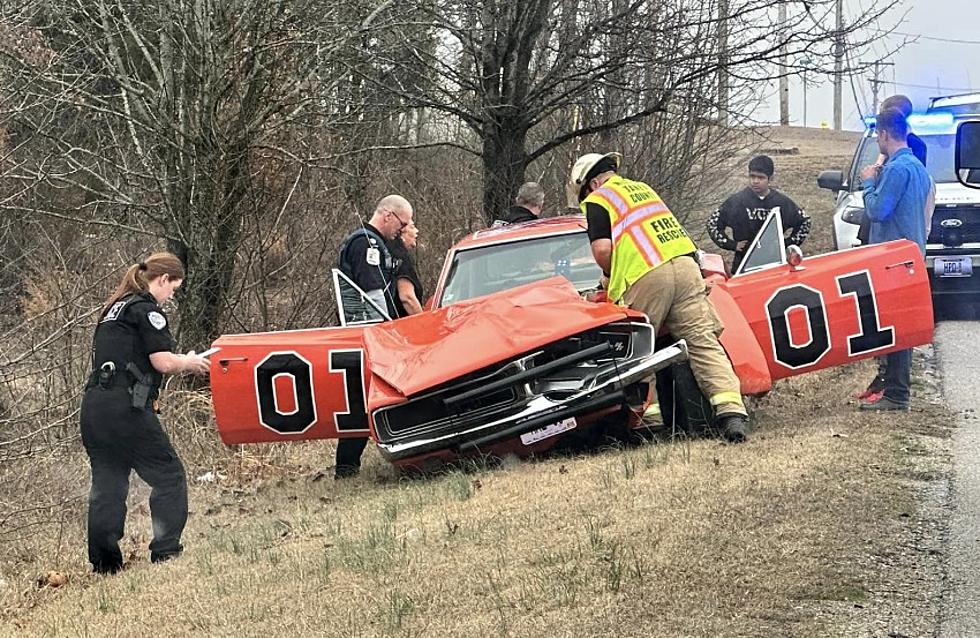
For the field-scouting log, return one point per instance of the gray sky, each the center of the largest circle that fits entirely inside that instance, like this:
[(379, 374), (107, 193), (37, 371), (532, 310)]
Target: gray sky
[(919, 67)]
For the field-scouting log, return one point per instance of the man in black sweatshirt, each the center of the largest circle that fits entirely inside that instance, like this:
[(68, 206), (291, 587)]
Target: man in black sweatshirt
[(745, 211)]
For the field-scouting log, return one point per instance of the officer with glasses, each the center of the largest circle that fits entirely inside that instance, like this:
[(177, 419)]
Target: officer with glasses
[(367, 260)]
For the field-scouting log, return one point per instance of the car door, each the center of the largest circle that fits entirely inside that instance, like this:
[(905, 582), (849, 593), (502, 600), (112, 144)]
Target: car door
[(835, 308), (298, 384)]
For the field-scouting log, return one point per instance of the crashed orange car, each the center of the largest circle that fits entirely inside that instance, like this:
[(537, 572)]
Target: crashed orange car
[(510, 356)]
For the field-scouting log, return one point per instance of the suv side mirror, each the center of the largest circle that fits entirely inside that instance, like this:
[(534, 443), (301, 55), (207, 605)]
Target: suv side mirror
[(968, 154), (831, 180)]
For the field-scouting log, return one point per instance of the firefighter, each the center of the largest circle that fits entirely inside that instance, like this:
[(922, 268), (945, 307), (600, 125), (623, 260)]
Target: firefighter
[(131, 351), (365, 257), (649, 263)]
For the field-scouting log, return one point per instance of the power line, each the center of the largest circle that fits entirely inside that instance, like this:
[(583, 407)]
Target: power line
[(927, 37), (927, 86)]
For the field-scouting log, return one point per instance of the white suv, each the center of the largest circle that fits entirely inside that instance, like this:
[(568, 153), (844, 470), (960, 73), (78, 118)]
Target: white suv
[(953, 243)]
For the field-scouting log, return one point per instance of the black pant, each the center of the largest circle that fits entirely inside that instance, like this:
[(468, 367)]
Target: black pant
[(349, 453), (119, 438)]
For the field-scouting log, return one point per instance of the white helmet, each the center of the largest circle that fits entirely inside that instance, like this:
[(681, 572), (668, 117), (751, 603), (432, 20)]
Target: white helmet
[(584, 164)]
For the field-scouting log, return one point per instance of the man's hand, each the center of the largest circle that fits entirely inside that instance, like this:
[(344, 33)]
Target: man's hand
[(742, 245), (870, 171)]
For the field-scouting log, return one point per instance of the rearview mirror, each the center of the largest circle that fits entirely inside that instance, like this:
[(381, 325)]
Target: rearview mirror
[(968, 154)]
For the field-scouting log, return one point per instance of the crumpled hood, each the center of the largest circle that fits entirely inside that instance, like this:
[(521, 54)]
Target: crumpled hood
[(428, 349)]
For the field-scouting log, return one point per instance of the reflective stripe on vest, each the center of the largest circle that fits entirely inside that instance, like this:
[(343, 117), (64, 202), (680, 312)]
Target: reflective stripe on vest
[(645, 233)]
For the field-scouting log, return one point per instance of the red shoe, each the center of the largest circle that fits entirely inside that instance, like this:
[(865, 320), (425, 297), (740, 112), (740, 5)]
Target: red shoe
[(876, 387), (873, 397)]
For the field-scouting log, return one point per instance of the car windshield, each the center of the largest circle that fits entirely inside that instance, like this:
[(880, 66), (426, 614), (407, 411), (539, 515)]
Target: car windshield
[(939, 157), (482, 271)]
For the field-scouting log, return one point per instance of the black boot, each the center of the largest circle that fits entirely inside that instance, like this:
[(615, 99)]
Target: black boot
[(732, 427)]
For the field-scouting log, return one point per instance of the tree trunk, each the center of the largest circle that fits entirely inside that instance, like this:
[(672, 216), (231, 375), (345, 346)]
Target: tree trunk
[(504, 164)]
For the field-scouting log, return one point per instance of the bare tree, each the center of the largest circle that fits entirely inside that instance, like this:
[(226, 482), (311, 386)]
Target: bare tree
[(505, 68)]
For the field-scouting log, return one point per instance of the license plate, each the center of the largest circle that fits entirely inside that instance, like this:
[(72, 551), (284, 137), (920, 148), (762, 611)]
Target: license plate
[(548, 431), (953, 267)]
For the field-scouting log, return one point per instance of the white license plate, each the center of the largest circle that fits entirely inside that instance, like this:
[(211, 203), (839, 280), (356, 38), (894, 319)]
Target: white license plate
[(548, 431), (953, 267)]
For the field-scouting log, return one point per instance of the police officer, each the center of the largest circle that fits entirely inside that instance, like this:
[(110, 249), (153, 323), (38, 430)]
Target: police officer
[(131, 351), (367, 260), (651, 266)]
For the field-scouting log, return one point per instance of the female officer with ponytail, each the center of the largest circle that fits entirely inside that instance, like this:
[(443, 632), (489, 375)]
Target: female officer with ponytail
[(132, 350)]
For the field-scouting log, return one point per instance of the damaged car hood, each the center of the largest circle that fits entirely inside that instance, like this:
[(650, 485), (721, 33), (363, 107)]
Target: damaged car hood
[(422, 351)]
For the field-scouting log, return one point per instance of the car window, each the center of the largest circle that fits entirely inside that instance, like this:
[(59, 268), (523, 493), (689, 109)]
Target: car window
[(482, 271), (353, 305), (867, 154), (939, 158), (768, 248)]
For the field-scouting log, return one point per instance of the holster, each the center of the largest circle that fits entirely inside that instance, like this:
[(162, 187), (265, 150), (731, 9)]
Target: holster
[(142, 389)]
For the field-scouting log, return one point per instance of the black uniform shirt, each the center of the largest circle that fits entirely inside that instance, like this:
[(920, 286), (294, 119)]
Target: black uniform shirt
[(367, 268), (131, 330)]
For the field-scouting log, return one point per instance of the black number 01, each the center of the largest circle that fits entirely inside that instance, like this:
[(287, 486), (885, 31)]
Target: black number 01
[(870, 336), (303, 416)]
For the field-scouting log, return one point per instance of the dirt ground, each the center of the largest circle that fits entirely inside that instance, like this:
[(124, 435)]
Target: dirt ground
[(827, 523)]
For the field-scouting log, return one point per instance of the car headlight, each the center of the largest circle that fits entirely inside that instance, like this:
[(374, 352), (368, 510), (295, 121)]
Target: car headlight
[(853, 215)]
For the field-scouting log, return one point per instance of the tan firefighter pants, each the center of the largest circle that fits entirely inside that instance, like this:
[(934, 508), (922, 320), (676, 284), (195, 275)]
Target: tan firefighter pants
[(674, 295)]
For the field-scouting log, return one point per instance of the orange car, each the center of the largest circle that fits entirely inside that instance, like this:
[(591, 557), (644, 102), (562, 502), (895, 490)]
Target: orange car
[(509, 357)]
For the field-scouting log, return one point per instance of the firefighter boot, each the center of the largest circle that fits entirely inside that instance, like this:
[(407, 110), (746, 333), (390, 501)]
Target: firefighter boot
[(732, 427)]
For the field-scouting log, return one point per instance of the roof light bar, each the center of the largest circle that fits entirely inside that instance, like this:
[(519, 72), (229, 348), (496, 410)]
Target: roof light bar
[(936, 122)]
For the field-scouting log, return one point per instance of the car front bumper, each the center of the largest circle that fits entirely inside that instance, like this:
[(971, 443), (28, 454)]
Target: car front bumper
[(537, 410)]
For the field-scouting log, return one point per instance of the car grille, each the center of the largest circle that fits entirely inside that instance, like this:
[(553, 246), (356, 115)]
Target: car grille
[(461, 404), (951, 235)]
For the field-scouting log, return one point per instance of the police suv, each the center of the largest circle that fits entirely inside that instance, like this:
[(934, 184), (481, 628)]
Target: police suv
[(953, 242)]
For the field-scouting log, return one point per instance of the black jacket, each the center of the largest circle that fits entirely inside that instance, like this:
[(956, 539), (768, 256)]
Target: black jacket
[(516, 215), (744, 212)]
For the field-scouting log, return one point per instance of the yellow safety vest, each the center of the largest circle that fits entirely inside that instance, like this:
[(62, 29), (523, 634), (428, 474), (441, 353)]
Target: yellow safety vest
[(645, 233)]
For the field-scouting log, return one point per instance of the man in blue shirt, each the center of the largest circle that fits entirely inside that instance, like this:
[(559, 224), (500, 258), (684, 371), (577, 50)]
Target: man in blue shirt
[(894, 199)]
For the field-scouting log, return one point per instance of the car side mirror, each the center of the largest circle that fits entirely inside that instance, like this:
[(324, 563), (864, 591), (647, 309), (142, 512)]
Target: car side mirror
[(968, 154), (831, 180), (794, 257)]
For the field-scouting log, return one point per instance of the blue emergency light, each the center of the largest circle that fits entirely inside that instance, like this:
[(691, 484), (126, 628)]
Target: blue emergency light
[(924, 123)]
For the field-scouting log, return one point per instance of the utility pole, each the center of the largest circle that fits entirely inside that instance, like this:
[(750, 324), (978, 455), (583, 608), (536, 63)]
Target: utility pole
[(723, 62), (783, 77), (838, 64), (876, 82)]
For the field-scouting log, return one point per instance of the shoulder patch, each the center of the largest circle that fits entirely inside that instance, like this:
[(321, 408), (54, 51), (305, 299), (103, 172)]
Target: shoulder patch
[(157, 320), (114, 311)]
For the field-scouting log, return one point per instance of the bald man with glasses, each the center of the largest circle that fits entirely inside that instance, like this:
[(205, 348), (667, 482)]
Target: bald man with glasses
[(365, 257)]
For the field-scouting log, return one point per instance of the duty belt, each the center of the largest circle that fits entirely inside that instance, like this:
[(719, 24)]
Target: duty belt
[(106, 377)]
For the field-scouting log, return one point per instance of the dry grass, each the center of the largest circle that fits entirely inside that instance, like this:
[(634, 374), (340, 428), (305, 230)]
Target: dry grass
[(689, 538)]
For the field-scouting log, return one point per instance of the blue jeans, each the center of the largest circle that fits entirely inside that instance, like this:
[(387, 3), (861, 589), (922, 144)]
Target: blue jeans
[(898, 374)]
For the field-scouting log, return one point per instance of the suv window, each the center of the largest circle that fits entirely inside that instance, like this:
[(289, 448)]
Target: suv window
[(939, 158)]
